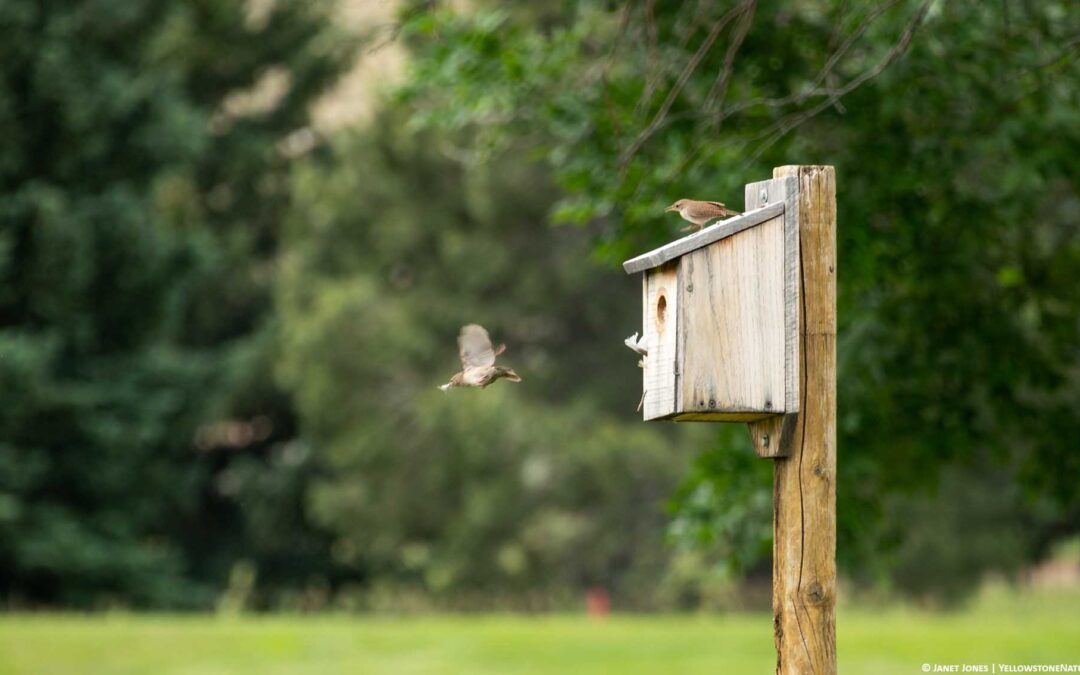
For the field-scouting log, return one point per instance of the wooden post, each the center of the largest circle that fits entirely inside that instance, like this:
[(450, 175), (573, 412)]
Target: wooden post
[(804, 484)]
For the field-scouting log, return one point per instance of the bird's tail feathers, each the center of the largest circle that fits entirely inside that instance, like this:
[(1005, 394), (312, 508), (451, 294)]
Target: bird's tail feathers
[(727, 212)]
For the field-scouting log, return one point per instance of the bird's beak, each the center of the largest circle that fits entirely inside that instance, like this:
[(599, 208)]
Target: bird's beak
[(670, 208)]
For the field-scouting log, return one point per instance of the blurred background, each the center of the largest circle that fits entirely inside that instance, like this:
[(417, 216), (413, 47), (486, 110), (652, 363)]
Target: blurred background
[(238, 238)]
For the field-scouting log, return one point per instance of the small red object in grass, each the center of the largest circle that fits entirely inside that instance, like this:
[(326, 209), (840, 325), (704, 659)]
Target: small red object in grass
[(597, 602)]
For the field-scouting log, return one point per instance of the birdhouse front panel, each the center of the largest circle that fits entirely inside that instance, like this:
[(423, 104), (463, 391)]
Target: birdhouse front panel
[(660, 328), (732, 326), (720, 315)]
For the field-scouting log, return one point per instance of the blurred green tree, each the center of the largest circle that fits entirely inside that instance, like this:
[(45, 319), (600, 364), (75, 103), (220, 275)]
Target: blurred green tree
[(954, 128), (514, 496), (143, 178)]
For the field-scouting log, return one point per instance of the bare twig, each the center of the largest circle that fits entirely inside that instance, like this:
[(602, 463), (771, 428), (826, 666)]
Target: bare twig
[(778, 130), (695, 19), (837, 23), (1069, 48), (815, 89), (653, 72), (718, 92), (718, 116), (658, 118), (826, 70), (624, 22), (393, 31)]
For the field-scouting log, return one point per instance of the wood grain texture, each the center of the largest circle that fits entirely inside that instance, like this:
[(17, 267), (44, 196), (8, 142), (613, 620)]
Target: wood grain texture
[(703, 237), (660, 314), (773, 435), (804, 484), (731, 324), (758, 195)]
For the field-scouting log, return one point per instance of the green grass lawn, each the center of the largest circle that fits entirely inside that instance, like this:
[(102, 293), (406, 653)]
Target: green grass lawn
[(1001, 627)]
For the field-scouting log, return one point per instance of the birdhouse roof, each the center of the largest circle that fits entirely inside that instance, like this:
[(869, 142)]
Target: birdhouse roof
[(703, 237)]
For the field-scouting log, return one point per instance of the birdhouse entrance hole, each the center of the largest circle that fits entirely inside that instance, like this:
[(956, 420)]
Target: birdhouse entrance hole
[(661, 311)]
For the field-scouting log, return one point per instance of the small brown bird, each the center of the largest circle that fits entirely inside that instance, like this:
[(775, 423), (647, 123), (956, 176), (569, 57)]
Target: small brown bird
[(478, 367), (699, 213)]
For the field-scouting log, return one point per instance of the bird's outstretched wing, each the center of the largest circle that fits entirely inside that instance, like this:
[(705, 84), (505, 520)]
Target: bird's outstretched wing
[(474, 346)]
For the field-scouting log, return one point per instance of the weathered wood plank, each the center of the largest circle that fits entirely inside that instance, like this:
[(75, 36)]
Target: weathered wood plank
[(726, 416), (792, 292), (758, 195), (804, 484), (703, 237), (772, 436), (731, 323), (660, 313)]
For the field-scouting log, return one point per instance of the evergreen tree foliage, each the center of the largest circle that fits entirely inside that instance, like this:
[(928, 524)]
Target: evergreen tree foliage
[(142, 176)]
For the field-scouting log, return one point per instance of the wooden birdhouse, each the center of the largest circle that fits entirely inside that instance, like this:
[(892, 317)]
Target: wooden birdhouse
[(739, 325), (721, 314)]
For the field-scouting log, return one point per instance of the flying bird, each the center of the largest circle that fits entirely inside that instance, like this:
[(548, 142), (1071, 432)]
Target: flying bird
[(478, 367), (699, 213)]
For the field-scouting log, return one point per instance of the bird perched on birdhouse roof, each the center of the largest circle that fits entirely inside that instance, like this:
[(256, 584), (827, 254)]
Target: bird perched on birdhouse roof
[(478, 367), (699, 213)]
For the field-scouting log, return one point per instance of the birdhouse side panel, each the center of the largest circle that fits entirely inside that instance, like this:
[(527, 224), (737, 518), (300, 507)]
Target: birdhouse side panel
[(786, 191), (659, 323), (732, 346)]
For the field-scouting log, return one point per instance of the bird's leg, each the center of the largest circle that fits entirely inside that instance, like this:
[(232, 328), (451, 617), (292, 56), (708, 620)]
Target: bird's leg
[(692, 227), (500, 349)]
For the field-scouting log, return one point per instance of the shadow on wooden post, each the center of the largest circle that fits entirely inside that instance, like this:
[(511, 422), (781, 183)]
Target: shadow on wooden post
[(773, 436)]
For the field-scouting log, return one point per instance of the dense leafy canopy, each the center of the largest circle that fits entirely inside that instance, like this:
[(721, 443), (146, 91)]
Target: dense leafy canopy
[(954, 129)]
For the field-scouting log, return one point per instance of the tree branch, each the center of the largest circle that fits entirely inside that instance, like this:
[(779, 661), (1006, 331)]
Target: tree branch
[(783, 126), (815, 89), (653, 73), (718, 93), (812, 92), (1070, 47), (658, 119)]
